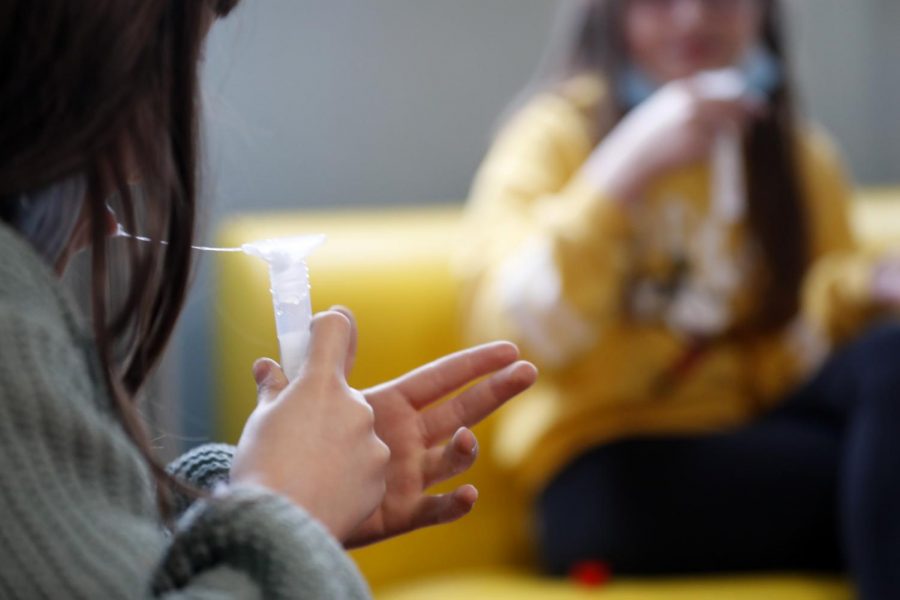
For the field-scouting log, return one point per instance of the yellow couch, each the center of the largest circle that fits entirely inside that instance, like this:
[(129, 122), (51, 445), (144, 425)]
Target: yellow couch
[(391, 268)]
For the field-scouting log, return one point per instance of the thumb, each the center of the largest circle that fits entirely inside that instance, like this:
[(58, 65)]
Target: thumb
[(331, 338), (354, 334), (270, 379)]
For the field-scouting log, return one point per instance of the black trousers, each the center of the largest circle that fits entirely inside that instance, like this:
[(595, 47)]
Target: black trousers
[(812, 486)]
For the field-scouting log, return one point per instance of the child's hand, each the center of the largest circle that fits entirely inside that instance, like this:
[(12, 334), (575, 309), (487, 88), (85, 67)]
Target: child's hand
[(430, 446), (313, 440), (676, 127)]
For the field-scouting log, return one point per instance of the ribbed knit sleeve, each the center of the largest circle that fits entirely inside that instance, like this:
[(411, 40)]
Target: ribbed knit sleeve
[(203, 467), (245, 529), (78, 514), (77, 511)]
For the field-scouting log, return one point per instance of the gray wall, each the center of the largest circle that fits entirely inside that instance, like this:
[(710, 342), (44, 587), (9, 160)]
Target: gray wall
[(847, 62), (351, 102), (336, 102)]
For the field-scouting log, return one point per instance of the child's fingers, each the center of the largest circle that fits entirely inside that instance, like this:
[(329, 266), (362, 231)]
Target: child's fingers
[(477, 402), (270, 379), (717, 113), (450, 460), (436, 510), (433, 381)]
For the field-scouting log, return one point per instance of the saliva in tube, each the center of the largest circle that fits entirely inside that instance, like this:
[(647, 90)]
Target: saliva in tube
[(289, 284)]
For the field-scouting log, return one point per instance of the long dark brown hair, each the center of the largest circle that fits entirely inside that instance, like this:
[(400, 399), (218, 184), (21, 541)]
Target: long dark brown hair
[(107, 90), (589, 40)]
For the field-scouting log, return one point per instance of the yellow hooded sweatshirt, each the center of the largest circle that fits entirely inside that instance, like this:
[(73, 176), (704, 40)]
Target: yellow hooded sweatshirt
[(606, 297)]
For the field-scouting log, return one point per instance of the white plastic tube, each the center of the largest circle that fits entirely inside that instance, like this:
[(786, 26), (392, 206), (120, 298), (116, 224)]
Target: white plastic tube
[(289, 279), (728, 189)]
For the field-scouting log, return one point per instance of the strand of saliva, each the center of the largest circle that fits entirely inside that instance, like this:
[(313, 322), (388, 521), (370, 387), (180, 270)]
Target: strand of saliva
[(290, 289), (120, 232)]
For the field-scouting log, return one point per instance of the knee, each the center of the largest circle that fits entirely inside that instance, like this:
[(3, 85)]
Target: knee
[(879, 345), (875, 368), (571, 515), (595, 509), (562, 533)]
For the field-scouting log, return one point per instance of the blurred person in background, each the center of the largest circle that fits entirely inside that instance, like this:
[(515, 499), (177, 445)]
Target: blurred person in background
[(96, 97), (669, 241)]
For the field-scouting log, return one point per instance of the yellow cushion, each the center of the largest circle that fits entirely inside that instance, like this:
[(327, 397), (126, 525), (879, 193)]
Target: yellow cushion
[(391, 268), (513, 585), (876, 216)]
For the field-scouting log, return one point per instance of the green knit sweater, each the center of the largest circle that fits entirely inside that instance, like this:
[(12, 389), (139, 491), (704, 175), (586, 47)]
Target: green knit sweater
[(77, 511)]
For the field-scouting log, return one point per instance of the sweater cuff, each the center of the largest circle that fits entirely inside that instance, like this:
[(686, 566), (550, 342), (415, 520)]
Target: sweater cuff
[(838, 295), (203, 468), (287, 552)]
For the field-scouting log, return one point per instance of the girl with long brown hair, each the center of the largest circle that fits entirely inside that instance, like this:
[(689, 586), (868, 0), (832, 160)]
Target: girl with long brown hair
[(98, 113), (669, 241)]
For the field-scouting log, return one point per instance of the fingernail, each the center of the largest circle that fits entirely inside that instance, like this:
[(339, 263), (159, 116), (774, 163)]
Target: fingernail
[(261, 371), (474, 449), (340, 308)]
